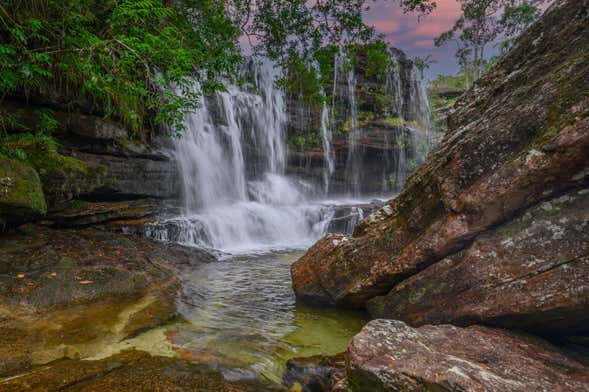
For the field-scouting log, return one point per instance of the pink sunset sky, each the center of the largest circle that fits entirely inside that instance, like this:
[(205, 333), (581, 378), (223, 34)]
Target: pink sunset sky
[(414, 36)]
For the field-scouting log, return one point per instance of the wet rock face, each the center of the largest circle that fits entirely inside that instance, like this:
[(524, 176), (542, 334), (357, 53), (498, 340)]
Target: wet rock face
[(518, 138), (388, 355), (133, 177), (532, 274), (67, 293), (97, 159)]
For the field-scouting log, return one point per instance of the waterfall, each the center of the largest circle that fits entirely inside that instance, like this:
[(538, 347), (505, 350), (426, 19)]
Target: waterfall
[(355, 151), (393, 87), (328, 155), (232, 158)]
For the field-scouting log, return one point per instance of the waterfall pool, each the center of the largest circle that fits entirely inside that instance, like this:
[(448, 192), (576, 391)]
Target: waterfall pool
[(239, 315)]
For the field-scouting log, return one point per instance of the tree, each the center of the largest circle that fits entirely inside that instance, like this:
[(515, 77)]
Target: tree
[(484, 21), (127, 54), (423, 63)]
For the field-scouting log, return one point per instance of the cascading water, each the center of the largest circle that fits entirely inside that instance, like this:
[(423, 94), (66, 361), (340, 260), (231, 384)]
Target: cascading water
[(238, 200), (241, 313), (326, 140), (355, 151)]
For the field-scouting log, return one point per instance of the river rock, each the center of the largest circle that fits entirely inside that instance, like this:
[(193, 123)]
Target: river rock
[(531, 273), (519, 137), (128, 371), (388, 355), (21, 194), (319, 373), (68, 293)]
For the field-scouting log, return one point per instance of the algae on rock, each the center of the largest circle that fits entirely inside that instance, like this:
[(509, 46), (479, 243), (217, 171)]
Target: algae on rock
[(21, 194)]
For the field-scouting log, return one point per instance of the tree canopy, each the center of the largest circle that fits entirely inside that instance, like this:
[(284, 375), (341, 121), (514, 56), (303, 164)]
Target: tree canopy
[(125, 54)]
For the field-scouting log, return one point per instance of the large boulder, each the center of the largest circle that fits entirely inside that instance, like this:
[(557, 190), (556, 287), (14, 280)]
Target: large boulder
[(531, 273), (388, 355), (69, 293), (21, 194), (520, 137)]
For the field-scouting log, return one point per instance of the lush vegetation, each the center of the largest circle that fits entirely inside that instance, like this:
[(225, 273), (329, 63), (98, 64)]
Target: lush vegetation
[(136, 60), (121, 54)]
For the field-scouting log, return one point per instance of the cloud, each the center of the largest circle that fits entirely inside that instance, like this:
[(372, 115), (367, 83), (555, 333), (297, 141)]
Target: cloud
[(415, 35)]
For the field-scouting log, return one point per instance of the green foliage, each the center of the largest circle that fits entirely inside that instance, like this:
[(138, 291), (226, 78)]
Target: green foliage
[(447, 83), (379, 61), (137, 59), (484, 22), (124, 54), (304, 82), (307, 140), (16, 145)]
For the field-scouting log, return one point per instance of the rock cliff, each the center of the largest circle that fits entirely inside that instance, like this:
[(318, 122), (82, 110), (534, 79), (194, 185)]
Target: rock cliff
[(491, 230), (388, 110), (517, 139)]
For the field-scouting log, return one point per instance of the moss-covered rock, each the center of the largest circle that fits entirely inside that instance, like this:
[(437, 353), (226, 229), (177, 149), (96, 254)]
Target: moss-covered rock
[(21, 194), (64, 177)]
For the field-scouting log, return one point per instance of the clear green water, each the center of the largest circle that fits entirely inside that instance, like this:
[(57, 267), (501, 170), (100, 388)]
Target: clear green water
[(243, 319)]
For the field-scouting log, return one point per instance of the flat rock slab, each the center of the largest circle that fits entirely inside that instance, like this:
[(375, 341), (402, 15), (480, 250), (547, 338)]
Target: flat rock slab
[(79, 213), (128, 371), (388, 355), (67, 293)]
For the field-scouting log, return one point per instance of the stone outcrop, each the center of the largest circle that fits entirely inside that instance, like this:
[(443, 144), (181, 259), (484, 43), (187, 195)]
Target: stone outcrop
[(97, 158), (64, 177), (389, 107), (519, 138), (531, 273), (136, 177), (134, 168), (21, 194), (388, 355), (68, 293), (79, 213)]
